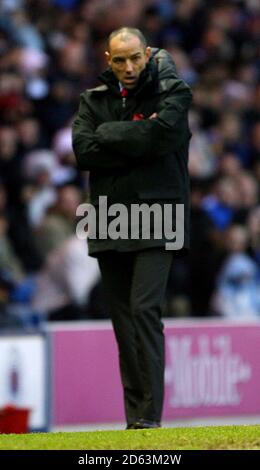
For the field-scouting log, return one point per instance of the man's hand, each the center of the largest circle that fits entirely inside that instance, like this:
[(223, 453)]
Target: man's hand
[(140, 116)]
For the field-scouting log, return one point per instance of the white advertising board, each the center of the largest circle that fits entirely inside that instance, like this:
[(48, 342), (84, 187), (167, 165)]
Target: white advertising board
[(23, 376)]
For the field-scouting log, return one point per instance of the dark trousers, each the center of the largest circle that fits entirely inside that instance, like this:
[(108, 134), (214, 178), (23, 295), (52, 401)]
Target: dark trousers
[(135, 285)]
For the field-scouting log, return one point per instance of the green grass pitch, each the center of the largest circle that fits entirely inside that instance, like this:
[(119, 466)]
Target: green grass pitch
[(193, 438)]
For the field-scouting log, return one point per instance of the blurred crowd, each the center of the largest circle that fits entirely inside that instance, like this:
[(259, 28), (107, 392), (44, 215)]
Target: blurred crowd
[(50, 51)]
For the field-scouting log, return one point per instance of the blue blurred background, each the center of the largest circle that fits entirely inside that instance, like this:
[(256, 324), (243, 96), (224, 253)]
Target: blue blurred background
[(50, 51)]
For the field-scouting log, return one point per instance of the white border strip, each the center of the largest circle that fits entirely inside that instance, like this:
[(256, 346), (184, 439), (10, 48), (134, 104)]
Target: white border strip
[(88, 325), (188, 423)]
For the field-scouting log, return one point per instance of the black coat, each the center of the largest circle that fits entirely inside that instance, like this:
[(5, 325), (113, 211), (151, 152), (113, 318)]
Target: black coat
[(136, 161)]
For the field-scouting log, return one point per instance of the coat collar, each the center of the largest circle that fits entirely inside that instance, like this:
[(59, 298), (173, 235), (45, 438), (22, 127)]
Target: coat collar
[(146, 80)]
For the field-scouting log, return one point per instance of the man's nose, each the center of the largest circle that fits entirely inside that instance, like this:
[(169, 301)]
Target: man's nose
[(129, 66)]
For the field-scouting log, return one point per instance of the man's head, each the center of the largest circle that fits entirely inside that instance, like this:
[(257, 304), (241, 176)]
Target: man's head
[(127, 55)]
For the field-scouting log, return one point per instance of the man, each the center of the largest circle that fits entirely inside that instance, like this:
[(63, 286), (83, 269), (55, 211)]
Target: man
[(131, 133)]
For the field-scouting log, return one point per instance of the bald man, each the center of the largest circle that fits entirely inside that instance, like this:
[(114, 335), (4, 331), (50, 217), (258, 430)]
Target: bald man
[(131, 133)]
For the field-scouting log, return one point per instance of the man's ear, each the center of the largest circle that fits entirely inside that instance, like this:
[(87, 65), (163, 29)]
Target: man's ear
[(108, 57), (148, 52)]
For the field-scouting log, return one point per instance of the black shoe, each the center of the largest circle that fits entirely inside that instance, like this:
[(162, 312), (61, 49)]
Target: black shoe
[(146, 424), (130, 426)]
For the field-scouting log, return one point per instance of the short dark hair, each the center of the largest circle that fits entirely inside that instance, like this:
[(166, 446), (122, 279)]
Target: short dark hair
[(125, 32)]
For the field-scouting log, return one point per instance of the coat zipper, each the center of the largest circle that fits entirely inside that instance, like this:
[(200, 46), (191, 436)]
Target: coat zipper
[(124, 93)]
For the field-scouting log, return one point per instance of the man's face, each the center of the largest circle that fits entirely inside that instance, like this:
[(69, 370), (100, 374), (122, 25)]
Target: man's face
[(127, 59)]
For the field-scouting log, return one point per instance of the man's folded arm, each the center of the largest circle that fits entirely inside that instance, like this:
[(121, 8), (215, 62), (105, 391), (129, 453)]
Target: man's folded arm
[(88, 151), (155, 137)]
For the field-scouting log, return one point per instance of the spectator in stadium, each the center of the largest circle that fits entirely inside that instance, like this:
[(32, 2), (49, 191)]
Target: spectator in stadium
[(136, 147), (237, 294), (59, 222), (66, 281)]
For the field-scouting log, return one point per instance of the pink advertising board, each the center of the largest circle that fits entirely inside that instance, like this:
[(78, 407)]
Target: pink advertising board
[(212, 370)]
